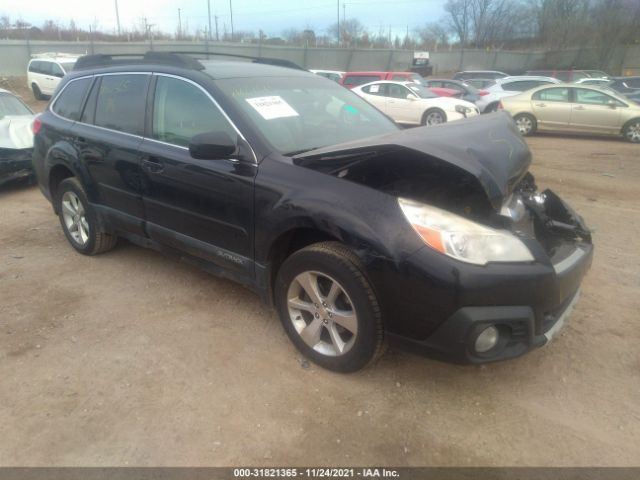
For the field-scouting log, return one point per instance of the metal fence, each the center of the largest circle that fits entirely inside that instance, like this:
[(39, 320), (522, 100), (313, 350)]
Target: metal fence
[(15, 54)]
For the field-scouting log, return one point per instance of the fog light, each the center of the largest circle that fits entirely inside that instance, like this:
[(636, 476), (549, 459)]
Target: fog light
[(487, 339)]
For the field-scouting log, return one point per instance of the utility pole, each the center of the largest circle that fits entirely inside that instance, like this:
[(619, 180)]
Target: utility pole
[(338, 24), (209, 11), (217, 36), (344, 18), (117, 17), (231, 12), (149, 33), (179, 25)]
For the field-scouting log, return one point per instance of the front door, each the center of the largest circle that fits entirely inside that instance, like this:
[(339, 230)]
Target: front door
[(203, 207), (398, 107), (594, 111)]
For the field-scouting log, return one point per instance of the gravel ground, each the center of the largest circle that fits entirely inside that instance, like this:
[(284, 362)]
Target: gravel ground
[(133, 358)]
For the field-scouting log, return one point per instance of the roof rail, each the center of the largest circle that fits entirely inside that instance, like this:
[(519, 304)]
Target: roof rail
[(163, 58), (278, 62), (182, 59)]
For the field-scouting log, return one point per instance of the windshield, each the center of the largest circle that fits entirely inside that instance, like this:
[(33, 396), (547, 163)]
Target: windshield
[(421, 91), (10, 105), (417, 79), (296, 114)]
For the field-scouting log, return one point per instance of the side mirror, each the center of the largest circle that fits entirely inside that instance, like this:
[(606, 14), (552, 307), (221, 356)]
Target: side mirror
[(612, 104), (411, 96), (212, 146)]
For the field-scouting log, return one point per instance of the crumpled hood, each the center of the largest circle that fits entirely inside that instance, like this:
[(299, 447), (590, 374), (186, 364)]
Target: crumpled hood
[(15, 131), (487, 146)]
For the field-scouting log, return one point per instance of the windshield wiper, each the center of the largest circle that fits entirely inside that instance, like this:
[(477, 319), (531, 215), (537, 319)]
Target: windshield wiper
[(298, 152)]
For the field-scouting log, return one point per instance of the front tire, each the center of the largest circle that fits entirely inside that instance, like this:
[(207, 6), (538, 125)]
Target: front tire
[(79, 221), (434, 116), (526, 124), (632, 131), (328, 307)]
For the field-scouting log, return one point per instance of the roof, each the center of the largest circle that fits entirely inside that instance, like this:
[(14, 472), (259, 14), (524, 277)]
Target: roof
[(516, 78)]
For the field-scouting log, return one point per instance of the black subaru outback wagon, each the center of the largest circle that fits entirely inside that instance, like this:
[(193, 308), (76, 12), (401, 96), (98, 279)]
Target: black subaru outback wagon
[(357, 231)]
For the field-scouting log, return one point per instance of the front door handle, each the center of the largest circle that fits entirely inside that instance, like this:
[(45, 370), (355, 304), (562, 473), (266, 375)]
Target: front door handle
[(580, 107), (153, 165), (541, 104)]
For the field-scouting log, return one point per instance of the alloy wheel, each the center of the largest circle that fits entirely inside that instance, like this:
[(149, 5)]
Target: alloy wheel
[(74, 216), (633, 132), (322, 313), (434, 118)]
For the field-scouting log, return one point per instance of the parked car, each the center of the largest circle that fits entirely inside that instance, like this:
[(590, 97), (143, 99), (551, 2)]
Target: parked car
[(358, 231), (45, 71), (562, 75), (465, 90), (634, 97), (483, 74), (16, 138), (568, 107), (334, 75), (625, 84), (508, 86), (598, 82), (596, 73), (480, 83), (353, 79), (408, 103)]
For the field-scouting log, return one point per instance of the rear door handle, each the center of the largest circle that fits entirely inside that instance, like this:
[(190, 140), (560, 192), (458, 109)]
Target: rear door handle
[(580, 107), (153, 165), (541, 104)]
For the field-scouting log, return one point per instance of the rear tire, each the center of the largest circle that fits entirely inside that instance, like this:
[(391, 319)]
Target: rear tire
[(79, 221), (526, 124), (632, 131), (434, 116), (37, 94), (328, 307)]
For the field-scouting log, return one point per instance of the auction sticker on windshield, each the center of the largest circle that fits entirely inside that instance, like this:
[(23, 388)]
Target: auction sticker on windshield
[(272, 107)]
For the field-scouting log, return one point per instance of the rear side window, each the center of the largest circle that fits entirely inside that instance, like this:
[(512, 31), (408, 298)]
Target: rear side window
[(552, 95), (33, 67), (360, 79), (376, 89), (181, 111), (121, 103), (69, 103)]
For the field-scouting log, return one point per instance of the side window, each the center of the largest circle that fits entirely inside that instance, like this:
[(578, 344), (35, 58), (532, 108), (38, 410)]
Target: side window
[(397, 91), (520, 86), (69, 103), (552, 95), (181, 110), (56, 71), (592, 97), (121, 103), (376, 89), (33, 67), (45, 68)]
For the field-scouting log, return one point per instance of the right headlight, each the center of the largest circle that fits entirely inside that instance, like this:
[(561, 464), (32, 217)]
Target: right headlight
[(461, 238)]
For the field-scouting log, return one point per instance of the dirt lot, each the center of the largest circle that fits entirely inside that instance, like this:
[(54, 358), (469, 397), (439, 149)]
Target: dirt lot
[(133, 358)]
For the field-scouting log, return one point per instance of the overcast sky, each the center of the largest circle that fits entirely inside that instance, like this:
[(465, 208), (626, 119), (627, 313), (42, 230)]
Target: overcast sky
[(272, 16)]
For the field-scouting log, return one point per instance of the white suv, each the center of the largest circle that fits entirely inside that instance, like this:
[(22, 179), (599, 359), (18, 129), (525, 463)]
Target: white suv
[(45, 71)]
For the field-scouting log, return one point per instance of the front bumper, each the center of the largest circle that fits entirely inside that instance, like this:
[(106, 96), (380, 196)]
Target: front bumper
[(15, 164), (527, 303)]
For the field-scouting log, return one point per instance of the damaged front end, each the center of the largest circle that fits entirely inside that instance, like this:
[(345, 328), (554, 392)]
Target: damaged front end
[(519, 254), (15, 164)]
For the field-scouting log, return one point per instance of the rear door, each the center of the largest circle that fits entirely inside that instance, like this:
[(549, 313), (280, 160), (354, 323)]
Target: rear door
[(552, 107), (108, 136), (203, 207), (594, 111), (48, 81)]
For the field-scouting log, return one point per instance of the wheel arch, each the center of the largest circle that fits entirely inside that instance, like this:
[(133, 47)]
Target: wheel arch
[(432, 109)]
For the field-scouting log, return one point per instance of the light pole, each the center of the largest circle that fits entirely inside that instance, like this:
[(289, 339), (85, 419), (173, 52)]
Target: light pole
[(209, 10), (231, 12), (338, 24), (117, 17)]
